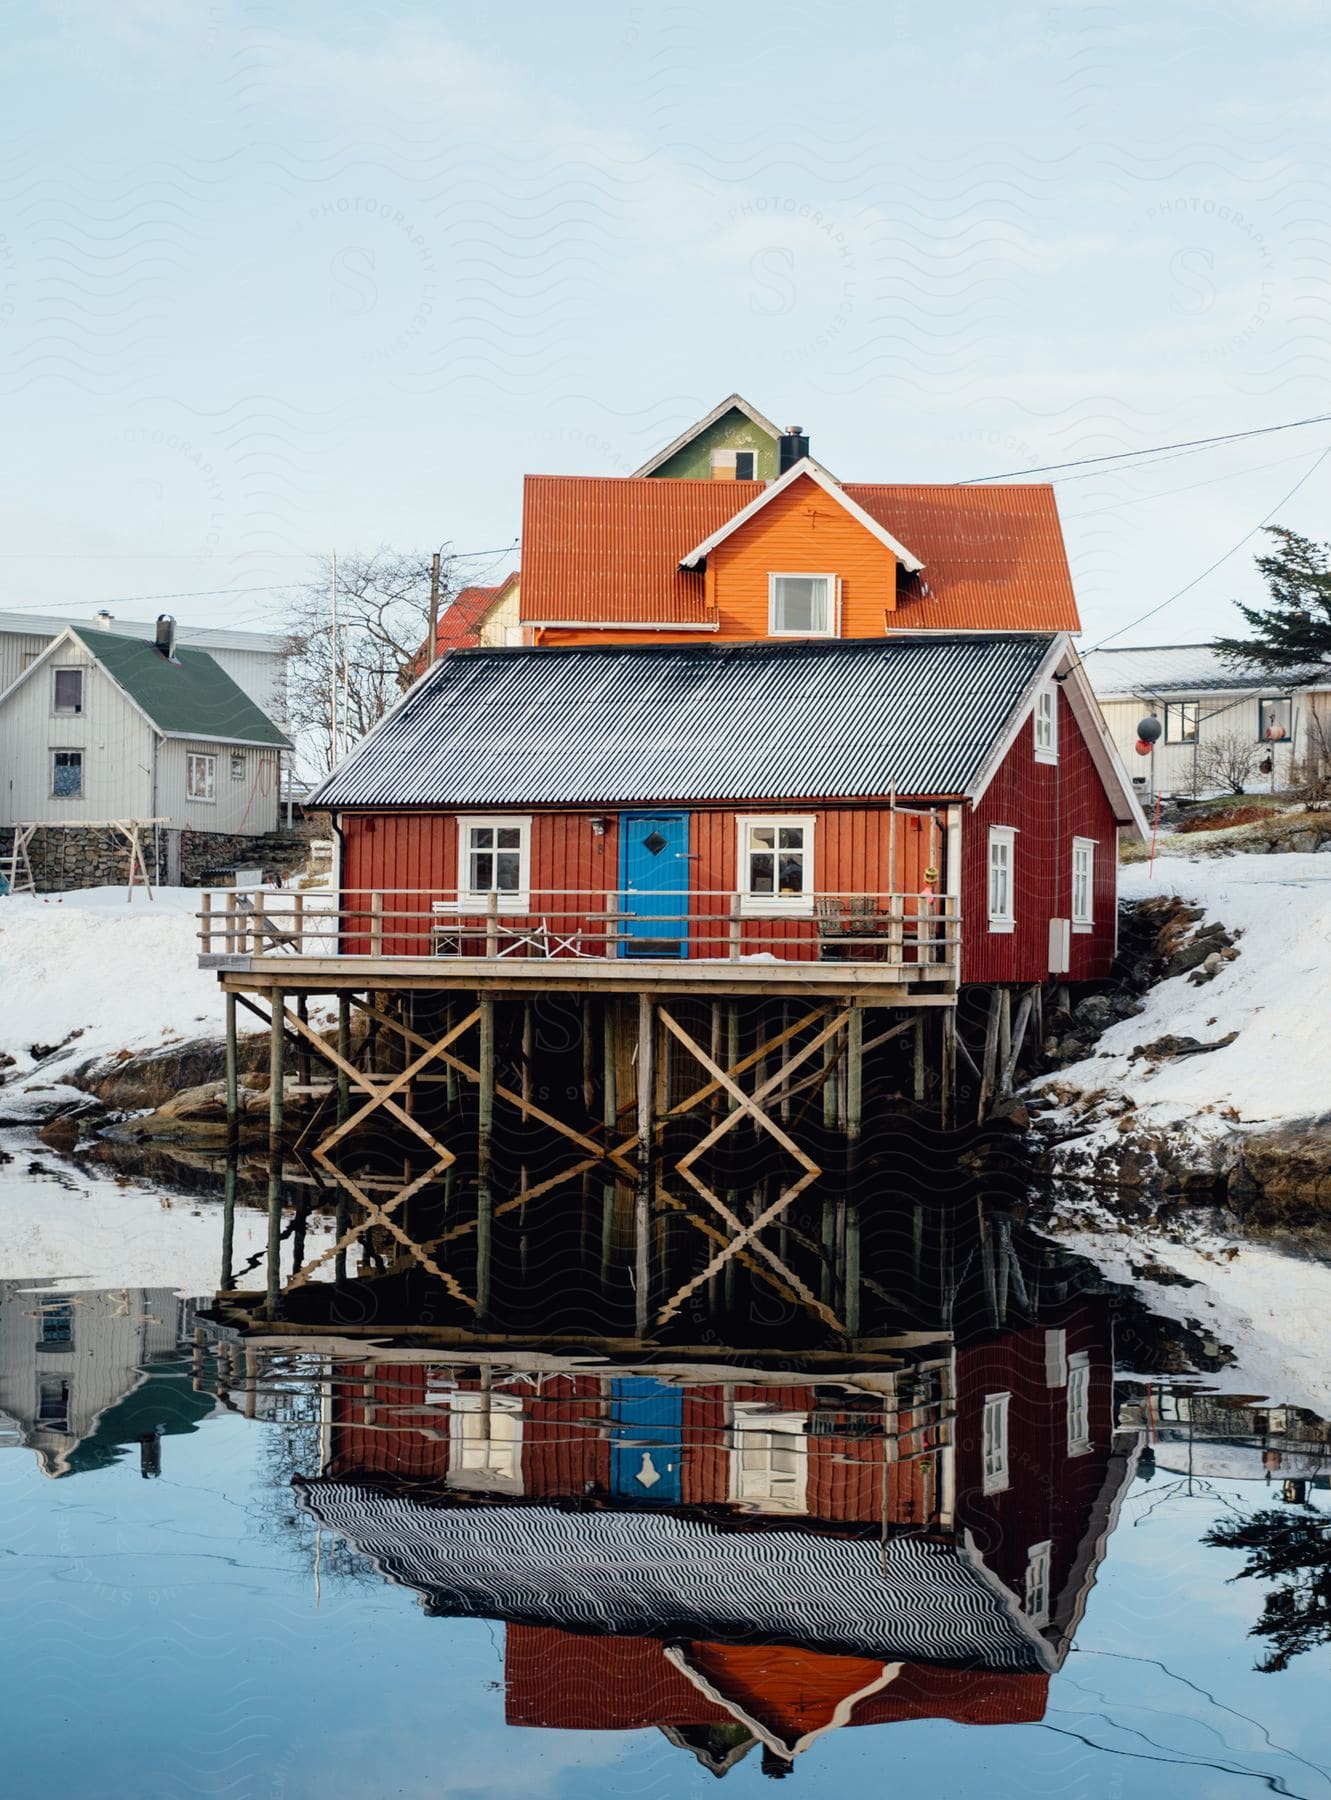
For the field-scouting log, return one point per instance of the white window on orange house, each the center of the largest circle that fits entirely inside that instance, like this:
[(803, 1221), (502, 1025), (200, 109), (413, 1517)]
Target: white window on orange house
[(1046, 724), (1083, 883), (995, 1442), (1002, 870), (494, 857), (776, 863), (802, 605)]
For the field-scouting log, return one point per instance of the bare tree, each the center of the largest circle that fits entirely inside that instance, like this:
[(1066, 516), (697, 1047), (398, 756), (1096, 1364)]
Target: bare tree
[(1227, 761), (383, 602)]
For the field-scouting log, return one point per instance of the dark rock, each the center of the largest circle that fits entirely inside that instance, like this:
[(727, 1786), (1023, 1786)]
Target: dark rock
[(6, 1060), (1171, 1046), (1095, 1011), (61, 1133), (154, 1077)]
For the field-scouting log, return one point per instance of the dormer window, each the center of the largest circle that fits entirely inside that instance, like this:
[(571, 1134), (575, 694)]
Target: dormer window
[(67, 691), (802, 605)]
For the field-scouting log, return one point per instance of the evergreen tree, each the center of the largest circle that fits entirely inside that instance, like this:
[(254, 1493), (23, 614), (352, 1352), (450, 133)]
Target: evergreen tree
[(1293, 1550), (1294, 631)]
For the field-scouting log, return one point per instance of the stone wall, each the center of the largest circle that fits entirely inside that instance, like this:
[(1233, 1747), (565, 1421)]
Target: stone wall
[(94, 856)]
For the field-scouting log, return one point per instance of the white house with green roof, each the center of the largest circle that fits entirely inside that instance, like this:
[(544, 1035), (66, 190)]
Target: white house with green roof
[(104, 727)]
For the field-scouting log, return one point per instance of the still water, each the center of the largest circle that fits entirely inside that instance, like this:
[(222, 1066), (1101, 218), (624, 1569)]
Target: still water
[(998, 1550)]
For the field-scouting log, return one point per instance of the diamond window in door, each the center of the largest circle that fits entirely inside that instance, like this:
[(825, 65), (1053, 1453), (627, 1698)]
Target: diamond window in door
[(654, 842)]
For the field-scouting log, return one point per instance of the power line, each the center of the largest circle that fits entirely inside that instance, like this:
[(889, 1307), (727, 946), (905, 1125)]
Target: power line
[(1081, 462), (1211, 569)]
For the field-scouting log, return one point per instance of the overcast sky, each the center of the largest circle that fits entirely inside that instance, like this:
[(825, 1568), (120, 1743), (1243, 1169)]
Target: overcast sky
[(279, 278)]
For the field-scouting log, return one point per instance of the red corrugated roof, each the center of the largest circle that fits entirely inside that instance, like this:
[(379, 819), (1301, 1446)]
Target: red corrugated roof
[(606, 549), (460, 624)]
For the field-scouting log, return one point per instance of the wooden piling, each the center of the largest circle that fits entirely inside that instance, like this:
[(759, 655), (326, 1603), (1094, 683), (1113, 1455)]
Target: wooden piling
[(854, 1073), (232, 1076), (276, 1097), (485, 1154), (646, 1147)]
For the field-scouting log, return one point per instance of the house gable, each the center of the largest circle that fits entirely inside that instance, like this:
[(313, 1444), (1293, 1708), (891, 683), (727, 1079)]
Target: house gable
[(734, 425)]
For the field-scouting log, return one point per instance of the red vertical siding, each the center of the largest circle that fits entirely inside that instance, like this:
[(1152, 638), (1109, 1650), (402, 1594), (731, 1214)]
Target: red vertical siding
[(1049, 804)]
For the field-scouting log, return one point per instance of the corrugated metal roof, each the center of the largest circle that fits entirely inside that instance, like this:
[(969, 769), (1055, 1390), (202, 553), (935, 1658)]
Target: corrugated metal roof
[(1183, 669), (606, 549), (193, 696), (203, 637), (612, 725)]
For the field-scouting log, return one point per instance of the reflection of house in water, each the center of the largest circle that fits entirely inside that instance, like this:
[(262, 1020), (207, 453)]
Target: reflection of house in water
[(741, 1558), (1228, 1437), (82, 1375)]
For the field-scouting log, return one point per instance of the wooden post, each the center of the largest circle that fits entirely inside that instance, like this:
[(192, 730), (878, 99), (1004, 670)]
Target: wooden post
[(228, 1222), (851, 1306), (1004, 1025), (610, 1120), (376, 923), (988, 1065), (276, 1095), (1013, 1056), (736, 929), (921, 1074), (646, 1149), (492, 923), (948, 1097), (854, 1073), (232, 1075), (827, 1274), (303, 1070), (298, 923), (830, 1104), (206, 898), (485, 1155), (588, 1060)]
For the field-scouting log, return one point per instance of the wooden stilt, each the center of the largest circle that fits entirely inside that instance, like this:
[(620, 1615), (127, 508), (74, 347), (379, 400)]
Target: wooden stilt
[(1004, 1025), (232, 1076), (854, 1073), (342, 1215), (988, 1068), (646, 1147), (920, 1071), (485, 1155), (276, 1095), (948, 1097), (1013, 1056), (228, 1221), (303, 1047), (850, 1310)]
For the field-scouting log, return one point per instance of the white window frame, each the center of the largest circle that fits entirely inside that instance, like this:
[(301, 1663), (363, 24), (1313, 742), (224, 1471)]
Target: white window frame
[(1083, 904), (1038, 1559), (994, 1442), (833, 602), (236, 764), (768, 906), (68, 750), (485, 1441), (1181, 710), (756, 1429), (1002, 837), (1044, 724), (472, 900), (208, 758), (67, 712), (1079, 1403)]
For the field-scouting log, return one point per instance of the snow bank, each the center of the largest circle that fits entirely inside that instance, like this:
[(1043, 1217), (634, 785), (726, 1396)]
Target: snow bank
[(1274, 994), (123, 972)]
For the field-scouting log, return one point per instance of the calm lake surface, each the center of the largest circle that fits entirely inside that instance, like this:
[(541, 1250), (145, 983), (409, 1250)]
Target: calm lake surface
[(994, 1552)]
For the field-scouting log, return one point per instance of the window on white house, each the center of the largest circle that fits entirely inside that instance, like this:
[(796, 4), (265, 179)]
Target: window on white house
[(200, 776), (776, 863), (1182, 718), (493, 858), (802, 605), (67, 774), (1275, 721), (1083, 883), (67, 691), (1002, 858), (1079, 1404), (485, 1441), (1037, 1583), (769, 1465), (995, 1442), (237, 765), (1046, 725)]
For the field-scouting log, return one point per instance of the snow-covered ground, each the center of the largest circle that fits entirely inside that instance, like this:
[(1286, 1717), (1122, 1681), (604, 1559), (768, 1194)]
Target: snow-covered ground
[(1274, 995)]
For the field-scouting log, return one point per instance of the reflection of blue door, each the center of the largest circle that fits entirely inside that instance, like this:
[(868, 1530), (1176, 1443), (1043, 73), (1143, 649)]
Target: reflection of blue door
[(646, 1439), (654, 874)]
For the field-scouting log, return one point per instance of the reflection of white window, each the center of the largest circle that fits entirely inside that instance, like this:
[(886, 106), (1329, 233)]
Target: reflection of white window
[(1002, 856), (494, 857), (200, 776), (1046, 725), (485, 1442), (1079, 1403), (57, 1316), (802, 605), (769, 1464), (1083, 883), (995, 1442), (1037, 1583), (776, 864), (53, 1403)]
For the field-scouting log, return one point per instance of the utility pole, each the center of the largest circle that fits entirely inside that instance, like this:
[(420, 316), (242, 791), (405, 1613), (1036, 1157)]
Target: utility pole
[(333, 682), (433, 650)]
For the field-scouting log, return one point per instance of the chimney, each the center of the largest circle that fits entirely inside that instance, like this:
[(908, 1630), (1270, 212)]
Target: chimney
[(105, 619), (790, 447), (165, 638)]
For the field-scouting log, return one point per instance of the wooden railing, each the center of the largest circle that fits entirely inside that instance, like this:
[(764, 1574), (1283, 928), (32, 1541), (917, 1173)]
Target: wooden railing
[(919, 933)]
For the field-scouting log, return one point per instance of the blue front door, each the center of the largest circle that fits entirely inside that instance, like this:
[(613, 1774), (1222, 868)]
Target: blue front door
[(654, 876), (646, 1439)]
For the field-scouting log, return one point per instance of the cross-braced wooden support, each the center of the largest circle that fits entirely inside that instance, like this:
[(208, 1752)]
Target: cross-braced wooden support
[(754, 1107)]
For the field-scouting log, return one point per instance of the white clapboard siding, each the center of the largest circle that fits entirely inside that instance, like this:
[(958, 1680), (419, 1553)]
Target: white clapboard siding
[(115, 738)]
